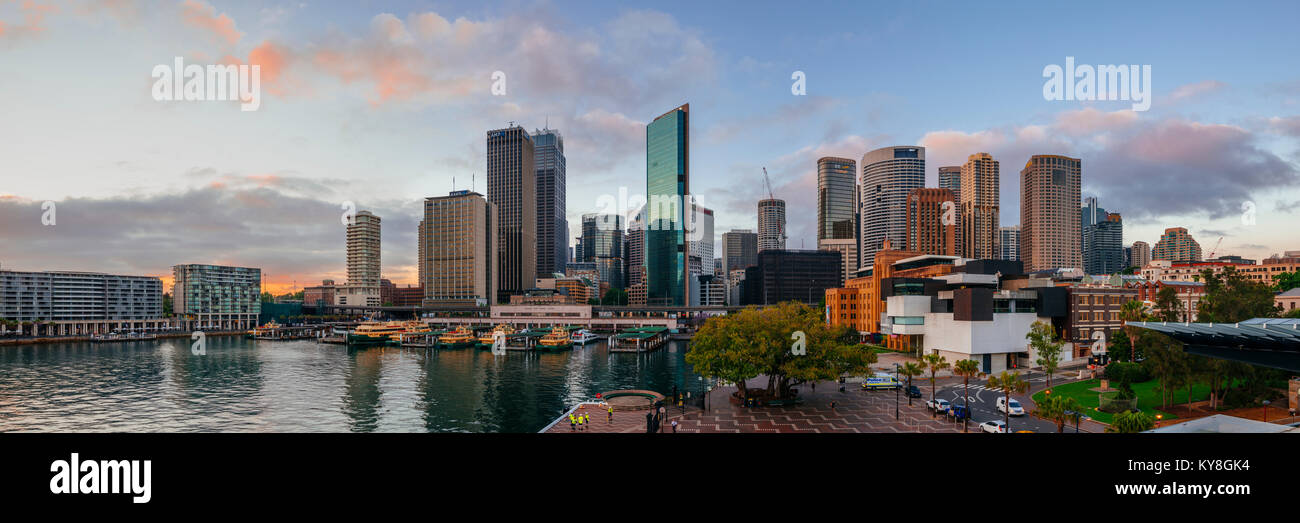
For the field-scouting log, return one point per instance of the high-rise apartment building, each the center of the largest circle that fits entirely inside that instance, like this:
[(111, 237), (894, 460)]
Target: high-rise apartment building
[(363, 241), (979, 207), (1009, 243), (602, 244), (635, 248), (219, 297), (78, 296), (1176, 245), (950, 178), (930, 222), (512, 187), (667, 189), (1103, 245), (460, 246), (1139, 254), (1049, 207), (771, 224), (552, 223), (888, 175), (837, 209)]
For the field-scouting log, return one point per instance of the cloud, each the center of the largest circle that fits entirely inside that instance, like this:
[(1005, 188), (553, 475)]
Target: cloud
[(1289, 126), (1196, 90), (32, 24), (201, 15)]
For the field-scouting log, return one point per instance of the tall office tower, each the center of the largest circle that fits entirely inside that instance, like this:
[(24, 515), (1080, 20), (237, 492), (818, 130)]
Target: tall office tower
[(578, 251), (1103, 245), (363, 240), (459, 242), (635, 248), (979, 207), (1141, 254), (1049, 206), (1009, 244), (930, 222), (739, 250), (837, 184), (220, 297), (771, 224), (950, 178), (667, 186), (602, 244), (699, 229), (1176, 245), (888, 175), (512, 187), (552, 224)]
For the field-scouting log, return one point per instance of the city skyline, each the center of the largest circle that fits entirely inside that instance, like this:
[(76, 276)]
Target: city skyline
[(361, 104)]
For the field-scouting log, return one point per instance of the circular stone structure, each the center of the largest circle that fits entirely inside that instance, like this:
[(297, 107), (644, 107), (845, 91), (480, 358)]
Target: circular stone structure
[(623, 400)]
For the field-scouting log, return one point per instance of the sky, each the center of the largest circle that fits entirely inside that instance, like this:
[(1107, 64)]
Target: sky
[(385, 103)]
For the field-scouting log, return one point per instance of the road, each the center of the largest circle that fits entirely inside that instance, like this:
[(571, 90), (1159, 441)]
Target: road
[(983, 399)]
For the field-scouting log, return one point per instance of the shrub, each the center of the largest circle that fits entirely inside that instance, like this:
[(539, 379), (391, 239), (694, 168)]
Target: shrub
[(1127, 372)]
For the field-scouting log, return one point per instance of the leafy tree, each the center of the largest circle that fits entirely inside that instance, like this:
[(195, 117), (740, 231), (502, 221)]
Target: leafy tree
[(909, 370), (1060, 409), (934, 363), (1008, 383), (1042, 337), (1167, 363), (967, 369), (1286, 281), (614, 297), (1131, 311), (167, 305), (1230, 298), (1293, 313), (1128, 422), (1121, 348), (267, 297), (1168, 306), (755, 342)]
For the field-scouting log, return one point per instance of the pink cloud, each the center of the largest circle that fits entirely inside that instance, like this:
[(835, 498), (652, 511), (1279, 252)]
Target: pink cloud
[(201, 15)]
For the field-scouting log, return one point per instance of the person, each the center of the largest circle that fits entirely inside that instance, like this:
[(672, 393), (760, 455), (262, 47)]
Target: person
[(588, 415), (610, 414), (674, 426), (573, 422), (580, 422), (832, 405)]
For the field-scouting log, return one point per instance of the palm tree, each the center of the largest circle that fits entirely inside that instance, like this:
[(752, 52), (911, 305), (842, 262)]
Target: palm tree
[(1131, 311), (1008, 383), (1060, 409), (934, 362), (967, 369), (910, 369)]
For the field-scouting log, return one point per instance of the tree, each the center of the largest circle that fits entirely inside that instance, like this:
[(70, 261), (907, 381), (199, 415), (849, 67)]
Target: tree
[(755, 342), (1230, 298), (967, 369), (1286, 281), (1166, 361), (1128, 422), (1131, 311), (1008, 383), (934, 363), (1060, 409), (267, 297), (615, 297), (167, 305), (1168, 306), (909, 370), (1293, 313), (1042, 337)]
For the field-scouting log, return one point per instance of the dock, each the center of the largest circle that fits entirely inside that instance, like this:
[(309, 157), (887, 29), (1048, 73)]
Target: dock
[(639, 339)]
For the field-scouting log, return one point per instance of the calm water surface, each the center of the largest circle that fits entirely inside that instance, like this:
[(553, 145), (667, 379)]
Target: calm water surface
[(244, 385)]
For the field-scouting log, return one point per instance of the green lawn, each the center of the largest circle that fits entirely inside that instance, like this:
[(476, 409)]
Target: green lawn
[(1148, 397)]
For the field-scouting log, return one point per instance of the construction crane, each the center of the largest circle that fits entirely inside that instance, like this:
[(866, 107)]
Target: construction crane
[(767, 181), (1216, 249)]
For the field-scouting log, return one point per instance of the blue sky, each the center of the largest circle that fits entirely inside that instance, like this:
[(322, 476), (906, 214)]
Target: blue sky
[(383, 103)]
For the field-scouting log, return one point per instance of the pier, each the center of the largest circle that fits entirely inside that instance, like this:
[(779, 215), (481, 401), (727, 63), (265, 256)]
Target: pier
[(640, 339)]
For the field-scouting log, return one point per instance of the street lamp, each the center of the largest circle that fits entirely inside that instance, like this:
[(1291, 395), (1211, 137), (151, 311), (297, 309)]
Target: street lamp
[(1266, 402), (909, 398)]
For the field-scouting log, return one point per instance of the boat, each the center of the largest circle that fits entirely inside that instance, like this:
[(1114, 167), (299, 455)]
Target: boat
[(583, 337), (409, 328), (375, 332), (263, 330), (557, 339), (458, 337), (486, 340)]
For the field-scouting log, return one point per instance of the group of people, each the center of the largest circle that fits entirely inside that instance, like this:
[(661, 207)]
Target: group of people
[(582, 420)]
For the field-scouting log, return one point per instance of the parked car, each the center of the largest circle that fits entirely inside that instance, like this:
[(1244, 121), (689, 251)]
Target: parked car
[(1012, 408), (937, 404), (995, 427), (959, 412), (913, 391)]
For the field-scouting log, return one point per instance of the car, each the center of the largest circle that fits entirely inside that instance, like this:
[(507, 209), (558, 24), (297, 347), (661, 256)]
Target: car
[(913, 391), (958, 412), (995, 427), (937, 404), (1011, 408)]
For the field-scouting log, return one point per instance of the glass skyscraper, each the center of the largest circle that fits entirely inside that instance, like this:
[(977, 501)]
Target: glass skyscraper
[(667, 173), (552, 223)]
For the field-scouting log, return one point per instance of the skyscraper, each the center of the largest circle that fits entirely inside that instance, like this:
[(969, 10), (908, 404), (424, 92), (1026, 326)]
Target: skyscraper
[(552, 223), (1049, 207), (771, 224), (950, 178), (512, 187), (1009, 244), (739, 250), (667, 186), (1102, 239), (458, 237), (1140, 254), (837, 209), (635, 248), (363, 241), (929, 231), (699, 226), (888, 175), (1176, 245), (602, 244), (979, 207)]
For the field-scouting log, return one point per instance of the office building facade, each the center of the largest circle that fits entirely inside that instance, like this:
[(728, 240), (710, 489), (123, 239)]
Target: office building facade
[(931, 227), (889, 174), (512, 187), (980, 187), (667, 188), (602, 244), (459, 239), (1049, 207), (1009, 243), (552, 189)]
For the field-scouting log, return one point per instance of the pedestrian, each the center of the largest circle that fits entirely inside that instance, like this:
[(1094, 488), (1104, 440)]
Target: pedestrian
[(573, 422), (588, 415), (580, 422), (674, 426), (832, 405), (610, 414)]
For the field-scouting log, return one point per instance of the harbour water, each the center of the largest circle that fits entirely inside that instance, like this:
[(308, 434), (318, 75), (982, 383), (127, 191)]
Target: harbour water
[(243, 385)]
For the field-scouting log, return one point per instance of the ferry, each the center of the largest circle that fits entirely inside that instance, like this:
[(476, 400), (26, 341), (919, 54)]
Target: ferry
[(557, 339), (263, 330), (375, 332), (584, 336), (458, 337), (411, 330), (486, 340)]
